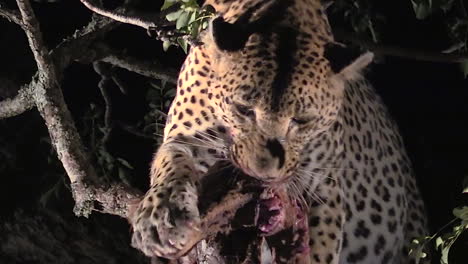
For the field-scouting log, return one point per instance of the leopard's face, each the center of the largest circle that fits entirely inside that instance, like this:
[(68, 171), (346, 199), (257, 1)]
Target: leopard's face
[(274, 106)]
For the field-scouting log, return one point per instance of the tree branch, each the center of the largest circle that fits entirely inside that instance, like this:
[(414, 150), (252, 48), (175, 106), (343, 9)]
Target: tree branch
[(115, 199), (117, 16), (89, 194), (146, 68), (33, 33), (19, 104), (104, 70), (12, 16), (45, 92), (401, 52), (71, 49), (157, 27), (81, 45), (148, 24), (51, 104)]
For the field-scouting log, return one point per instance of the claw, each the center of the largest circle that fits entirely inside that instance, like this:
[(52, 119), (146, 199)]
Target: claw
[(161, 236), (166, 220), (171, 242)]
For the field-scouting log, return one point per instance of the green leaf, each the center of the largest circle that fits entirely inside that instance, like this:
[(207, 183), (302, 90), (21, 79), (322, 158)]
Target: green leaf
[(194, 31), (445, 251), (444, 256), (445, 5), (182, 20), (422, 8), (174, 15), (166, 45), (465, 181), (461, 212), (183, 44), (439, 242), (167, 4), (123, 175), (193, 17), (464, 69), (125, 163), (205, 25)]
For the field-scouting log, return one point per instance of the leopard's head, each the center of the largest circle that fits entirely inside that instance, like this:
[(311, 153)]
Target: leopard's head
[(278, 88)]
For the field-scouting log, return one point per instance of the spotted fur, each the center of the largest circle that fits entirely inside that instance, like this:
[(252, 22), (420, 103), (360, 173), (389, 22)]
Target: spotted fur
[(265, 91)]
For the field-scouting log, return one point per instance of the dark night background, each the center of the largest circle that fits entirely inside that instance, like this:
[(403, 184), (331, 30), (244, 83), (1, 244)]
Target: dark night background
[(428, 101)]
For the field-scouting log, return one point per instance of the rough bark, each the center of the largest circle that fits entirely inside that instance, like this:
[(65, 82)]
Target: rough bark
[(45, 93)]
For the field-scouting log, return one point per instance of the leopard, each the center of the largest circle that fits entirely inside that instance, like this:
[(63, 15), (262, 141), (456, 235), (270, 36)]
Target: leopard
[(268, 88)]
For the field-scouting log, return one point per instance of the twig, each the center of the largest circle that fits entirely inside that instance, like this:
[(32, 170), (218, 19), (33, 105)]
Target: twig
[(105, 72), (401, 52), (155, 26), (133, 20), (71, 49), (19, 104), (146, 68), (122, 86), (102, 52), (12, 16), (129, 129), (81, 45)]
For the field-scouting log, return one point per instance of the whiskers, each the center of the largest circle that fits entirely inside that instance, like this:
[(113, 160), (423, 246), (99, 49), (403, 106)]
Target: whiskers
[(313, 174), (303, 193), (305, 184), (204, 140)]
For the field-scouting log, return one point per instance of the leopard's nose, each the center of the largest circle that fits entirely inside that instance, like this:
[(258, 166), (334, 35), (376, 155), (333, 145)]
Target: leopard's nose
[(276, 150)]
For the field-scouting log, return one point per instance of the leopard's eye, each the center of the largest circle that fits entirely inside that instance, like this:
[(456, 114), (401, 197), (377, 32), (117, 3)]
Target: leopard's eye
[(244, 110), (299, 121)]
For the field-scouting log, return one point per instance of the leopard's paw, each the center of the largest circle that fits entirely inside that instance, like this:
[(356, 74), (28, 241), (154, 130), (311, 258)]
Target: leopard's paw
[(167, 222)]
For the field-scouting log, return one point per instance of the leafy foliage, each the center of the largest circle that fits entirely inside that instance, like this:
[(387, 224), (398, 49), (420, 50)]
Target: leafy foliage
[(190, 19), (159, 98), (442, 241), (359, 15), (456, 20), (97, 132), (424, 8), (457, 25)]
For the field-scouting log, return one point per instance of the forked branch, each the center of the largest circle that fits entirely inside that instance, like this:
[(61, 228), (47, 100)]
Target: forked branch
[(11, 15), (44, 91), (117, 16)]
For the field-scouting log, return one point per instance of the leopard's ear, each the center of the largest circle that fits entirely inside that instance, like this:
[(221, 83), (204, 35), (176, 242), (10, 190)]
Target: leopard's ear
[(227, 36), (259, 18), (345, 63)]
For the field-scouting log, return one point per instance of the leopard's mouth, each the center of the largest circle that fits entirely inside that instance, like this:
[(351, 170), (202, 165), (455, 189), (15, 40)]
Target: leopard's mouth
[(270, 214), (277, 214)]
